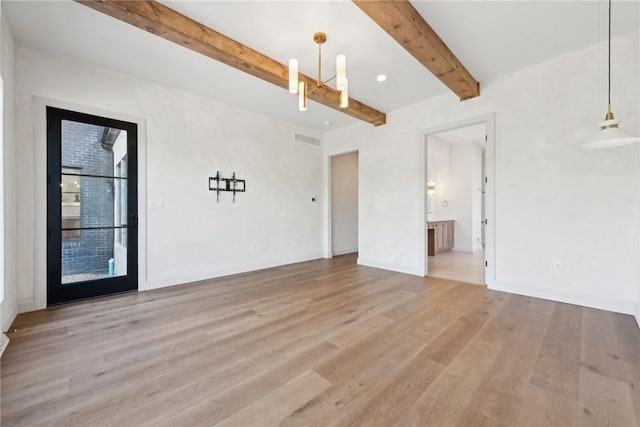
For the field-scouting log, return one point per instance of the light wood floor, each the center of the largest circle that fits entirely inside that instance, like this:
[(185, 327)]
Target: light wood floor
[(322, 343), (458, 265)]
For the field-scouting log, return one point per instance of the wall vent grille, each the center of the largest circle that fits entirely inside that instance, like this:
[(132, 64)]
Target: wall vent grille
[(298, 137)]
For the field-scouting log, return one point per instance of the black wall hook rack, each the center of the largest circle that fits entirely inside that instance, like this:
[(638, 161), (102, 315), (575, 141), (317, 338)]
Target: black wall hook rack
[(218, 183)]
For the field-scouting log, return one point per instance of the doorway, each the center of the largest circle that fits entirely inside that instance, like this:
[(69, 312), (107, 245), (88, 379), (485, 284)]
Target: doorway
[(92, 211), (344, 203), (458, 201)]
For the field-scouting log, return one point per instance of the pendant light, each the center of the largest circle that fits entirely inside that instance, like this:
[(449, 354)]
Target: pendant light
[(610, 135)]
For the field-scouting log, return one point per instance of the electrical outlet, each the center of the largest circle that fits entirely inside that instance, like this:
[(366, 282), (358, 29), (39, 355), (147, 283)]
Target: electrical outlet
[(557, 266)]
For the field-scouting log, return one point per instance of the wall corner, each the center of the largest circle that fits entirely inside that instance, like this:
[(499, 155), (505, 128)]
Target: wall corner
[(4, 342)]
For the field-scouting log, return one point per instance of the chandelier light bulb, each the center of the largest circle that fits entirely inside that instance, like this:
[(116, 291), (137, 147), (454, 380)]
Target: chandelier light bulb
[(302, 96), (293, 75), (344, 95), (341, 72)]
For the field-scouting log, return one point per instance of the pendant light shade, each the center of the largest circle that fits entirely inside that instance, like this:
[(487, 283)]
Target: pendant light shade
[(610, 134), (612, 137)]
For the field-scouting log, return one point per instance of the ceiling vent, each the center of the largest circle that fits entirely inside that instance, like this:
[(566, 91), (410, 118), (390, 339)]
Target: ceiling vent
[(306, 139)]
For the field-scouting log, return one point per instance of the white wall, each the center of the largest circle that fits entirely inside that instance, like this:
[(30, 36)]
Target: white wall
[(344, 203), (188, 235), (460, 198), (638, 296), (465, 195), (8, 309), (554, 200), (2, 222), (438, 165)]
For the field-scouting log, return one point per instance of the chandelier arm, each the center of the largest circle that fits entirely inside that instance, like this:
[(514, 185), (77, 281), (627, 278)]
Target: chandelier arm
[(309, 92), (323, 83), (328, 80)]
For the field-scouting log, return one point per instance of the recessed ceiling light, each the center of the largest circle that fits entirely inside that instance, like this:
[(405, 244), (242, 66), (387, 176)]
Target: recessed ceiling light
[(381, 77), (328, 123)]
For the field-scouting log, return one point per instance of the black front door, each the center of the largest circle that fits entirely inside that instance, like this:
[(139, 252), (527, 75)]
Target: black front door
[(92, 207)]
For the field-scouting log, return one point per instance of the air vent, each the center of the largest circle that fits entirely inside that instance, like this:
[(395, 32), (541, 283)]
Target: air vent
[(306, 139)]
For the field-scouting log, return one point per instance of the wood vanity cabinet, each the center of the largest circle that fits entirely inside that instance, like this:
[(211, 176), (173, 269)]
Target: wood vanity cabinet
[(440, 236)]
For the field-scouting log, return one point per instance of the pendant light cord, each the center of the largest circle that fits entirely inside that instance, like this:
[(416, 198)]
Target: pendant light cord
[(609, 59)]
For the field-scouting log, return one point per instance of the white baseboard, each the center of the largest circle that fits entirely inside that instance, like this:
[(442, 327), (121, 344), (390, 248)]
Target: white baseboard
[(393, 267), (609, 304), (344, 251), (637, 314), (9, 317), (29, 305), (4, 342), (180, 280)]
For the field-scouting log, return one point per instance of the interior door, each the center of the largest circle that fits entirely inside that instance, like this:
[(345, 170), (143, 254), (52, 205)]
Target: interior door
[(92, 206)]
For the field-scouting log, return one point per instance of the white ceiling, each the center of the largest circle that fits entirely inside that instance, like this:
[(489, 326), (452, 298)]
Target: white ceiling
[(489, 37)]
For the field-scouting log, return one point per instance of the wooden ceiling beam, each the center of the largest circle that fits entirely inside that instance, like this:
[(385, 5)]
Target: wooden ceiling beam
[(165, 22), (403, 22)]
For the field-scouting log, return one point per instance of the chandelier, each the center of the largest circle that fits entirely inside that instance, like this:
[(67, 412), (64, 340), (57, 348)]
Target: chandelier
[(301, 88)]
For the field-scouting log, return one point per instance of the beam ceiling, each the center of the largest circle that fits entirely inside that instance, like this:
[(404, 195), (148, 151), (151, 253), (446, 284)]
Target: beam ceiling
[(403, 22), (165, 22)]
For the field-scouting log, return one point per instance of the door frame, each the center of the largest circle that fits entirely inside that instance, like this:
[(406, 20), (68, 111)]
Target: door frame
[(330, 198), (37, 109), (57, 293), (490, 190), (329, 222)]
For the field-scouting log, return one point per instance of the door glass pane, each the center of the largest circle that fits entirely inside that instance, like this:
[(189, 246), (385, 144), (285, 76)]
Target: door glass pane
[(71, 204), (94, 255), (92, 149), (94, 202)]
